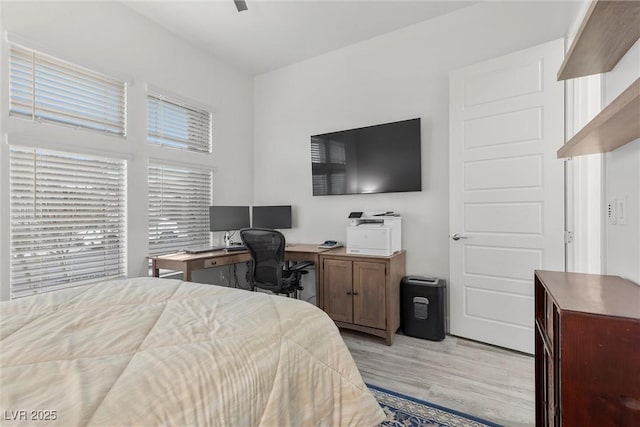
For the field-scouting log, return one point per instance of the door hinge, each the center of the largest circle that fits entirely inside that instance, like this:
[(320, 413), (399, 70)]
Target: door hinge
[(568, 237)]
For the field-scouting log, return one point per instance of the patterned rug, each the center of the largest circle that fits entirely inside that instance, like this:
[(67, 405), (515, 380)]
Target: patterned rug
[(406, 411)]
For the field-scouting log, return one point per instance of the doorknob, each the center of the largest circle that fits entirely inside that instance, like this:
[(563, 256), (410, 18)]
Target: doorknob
[(458, 236)]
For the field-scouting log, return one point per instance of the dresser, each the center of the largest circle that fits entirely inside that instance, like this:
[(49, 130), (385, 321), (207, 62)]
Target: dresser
[(587, 350)]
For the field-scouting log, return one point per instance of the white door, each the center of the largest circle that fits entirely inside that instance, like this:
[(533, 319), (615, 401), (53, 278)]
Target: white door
[(506, 194)]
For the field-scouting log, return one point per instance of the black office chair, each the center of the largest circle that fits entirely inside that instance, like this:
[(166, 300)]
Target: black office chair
[(268, 268)]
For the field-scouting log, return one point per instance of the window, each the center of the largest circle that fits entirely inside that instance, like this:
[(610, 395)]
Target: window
[(179, 202), (67, 220), (43, 88), (173, 123)]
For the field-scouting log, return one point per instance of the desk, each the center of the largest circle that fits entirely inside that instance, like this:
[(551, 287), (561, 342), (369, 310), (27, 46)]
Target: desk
[(360, 292), (188, 262)]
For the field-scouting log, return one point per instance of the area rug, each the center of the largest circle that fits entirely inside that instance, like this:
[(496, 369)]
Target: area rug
[(406, 411)]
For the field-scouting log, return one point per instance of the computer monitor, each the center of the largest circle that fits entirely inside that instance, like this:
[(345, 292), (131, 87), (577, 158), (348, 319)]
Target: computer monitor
[(228, 218), (276, 217)]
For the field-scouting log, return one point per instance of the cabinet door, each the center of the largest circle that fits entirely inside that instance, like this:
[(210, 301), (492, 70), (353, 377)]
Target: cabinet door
[(369, 283), (337, 283)]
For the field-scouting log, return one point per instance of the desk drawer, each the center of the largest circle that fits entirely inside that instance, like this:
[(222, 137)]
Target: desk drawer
[(208, 263), (298, 257), (225, 259)]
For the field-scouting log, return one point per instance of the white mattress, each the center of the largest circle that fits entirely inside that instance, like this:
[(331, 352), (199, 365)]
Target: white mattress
[(165, 352)]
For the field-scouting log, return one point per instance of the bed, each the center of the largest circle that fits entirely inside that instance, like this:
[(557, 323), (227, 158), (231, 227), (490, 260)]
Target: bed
[(150, 351)]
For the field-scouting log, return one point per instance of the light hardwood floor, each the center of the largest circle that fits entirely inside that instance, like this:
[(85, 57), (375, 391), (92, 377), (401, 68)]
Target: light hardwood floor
[(474, 378)]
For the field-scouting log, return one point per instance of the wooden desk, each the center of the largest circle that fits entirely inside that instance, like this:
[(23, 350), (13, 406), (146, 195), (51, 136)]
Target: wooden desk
[(189, 262), (360, 292)]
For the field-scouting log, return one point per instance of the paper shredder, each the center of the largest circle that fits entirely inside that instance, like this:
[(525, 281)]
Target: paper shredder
[(423, 307)]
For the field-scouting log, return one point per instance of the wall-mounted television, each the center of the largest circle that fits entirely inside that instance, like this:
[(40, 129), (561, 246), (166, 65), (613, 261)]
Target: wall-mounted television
[(383, 158)]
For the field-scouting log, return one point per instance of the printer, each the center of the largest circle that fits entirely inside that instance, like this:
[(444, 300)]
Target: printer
[(374, 233)]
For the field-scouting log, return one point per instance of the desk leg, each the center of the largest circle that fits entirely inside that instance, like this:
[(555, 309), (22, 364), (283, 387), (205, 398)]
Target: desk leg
[(155, 269), (186, 274), (319, 288)]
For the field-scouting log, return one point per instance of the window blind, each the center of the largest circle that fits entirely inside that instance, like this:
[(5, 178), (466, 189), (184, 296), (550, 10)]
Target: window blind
[(179, 201), (67, 220), (46, 89), (173, 123)]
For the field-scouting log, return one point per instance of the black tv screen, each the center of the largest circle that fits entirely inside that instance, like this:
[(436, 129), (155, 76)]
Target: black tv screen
[(374, 159)]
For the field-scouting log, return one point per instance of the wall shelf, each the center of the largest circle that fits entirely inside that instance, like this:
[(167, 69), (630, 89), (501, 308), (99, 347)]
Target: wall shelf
[(616, 125), (608, 31)]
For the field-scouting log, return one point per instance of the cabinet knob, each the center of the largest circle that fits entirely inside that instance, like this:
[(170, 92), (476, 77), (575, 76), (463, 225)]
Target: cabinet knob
[(355, 293), (348, 292)]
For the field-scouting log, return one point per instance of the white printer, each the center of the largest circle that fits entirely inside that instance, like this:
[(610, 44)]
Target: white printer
[(374, 233)]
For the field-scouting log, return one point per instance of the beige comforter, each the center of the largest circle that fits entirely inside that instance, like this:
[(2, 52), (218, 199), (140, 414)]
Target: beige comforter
[(154, 351)]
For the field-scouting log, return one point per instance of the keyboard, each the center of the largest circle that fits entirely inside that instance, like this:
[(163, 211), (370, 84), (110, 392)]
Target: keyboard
[(201, 249), (234, 248)]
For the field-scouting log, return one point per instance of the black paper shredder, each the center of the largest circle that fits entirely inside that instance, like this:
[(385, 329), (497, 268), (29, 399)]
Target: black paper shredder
[(423, 307)]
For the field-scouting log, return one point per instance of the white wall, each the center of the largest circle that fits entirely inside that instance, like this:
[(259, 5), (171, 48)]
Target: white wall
[(109, 37), (583, 174), (397, 76), (622, 181)]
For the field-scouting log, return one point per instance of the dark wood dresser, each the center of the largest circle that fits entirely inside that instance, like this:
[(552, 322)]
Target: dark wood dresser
[(587, 350)]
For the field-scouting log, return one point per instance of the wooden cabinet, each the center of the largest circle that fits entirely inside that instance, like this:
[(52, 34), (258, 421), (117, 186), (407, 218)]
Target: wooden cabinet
[(587, 356), (356, 292), (363, 292)]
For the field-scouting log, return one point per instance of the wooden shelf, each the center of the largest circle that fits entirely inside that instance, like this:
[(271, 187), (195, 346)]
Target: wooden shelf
[(608, 31), (617, 124)]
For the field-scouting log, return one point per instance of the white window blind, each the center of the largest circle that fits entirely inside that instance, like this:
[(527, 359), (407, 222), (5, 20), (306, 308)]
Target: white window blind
[(43, 88), (173, 123), (67, 220), (179, 201)]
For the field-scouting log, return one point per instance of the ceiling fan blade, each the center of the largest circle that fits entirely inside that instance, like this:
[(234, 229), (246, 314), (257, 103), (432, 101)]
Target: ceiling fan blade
[(241, 5)]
